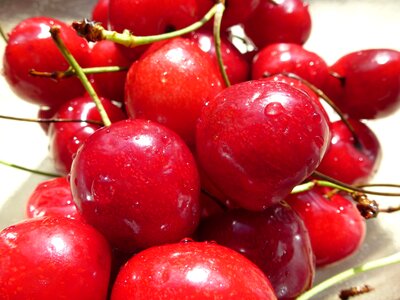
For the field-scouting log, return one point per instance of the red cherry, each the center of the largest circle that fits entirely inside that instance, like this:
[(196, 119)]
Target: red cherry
[(52, 197), (348, 162), (170, 84), (137, 183), (100, 12), (276, 240), (335, 226), (287, 21), (370, 83), (53, 258), (290, 58), (191, 269), (67, 137), (30, 46), (258, 139)]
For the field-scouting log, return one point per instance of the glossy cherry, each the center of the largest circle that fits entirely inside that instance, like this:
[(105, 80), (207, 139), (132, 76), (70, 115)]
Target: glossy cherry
[(335, 226), (192, 270), (137, 183), (276, 240), (258, 139), (52, 197), (286, 21), (30, 46), (290, 58), (347, 161), (100, 12), (170, 84), (370, 83), (53, 258), (67, 137)]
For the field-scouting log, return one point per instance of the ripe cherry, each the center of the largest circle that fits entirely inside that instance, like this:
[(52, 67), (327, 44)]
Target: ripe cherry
[(276, 240), (258, 139), (30, 46), (53, 258), (347, 161), (100, 12), (335, 226), (191, 269), (137, 183)]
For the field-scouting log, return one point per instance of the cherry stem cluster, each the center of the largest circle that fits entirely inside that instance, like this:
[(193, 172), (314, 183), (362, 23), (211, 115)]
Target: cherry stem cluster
[(55, 34)]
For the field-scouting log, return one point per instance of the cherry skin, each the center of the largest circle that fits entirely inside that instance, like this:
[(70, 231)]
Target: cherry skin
[(370, 83), (258, 139), (348, 162), (67, 137), (290, 58), (276, 240), (100, 12), (137, 183), (170, 84), (30, 46), (53, 258), (52, 197), (289, 21), (191, 269), (236, 65), (335, 226)]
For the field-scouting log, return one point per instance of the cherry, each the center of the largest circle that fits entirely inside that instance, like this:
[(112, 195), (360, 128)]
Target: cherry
[(45, 112), (30, 46), (191, 269), (137, 183), (258, 139), (290, 58), (109, 84), (53, 258), (100, 12), (236, 65), (52, 197), (370, 83), (347, 161), (286, 21), (335, 226), (275, 239), (170, 84), (67, 137)]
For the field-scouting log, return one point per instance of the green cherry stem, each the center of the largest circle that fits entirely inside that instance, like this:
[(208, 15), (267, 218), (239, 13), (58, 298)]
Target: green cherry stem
[(39, 120), (375, 264), (94, 32), (3, 34), (38, 172), (55, 34), (217, 41)]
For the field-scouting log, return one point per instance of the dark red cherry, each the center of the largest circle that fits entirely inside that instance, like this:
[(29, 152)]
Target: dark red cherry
[(258, 139), (350, 162), (276, 240), (109, 85), (67, 137), (170, 84), (137, 183), (335, 226), (53, 258), (370, 83), (285, 21), (52, 197), (100, 12), (191, 269), (290, 58), (236, 65), (30, 46), (46, 112)]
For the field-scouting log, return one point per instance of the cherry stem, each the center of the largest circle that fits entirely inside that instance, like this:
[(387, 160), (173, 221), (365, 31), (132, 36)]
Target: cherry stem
[(217, 41), (3, 34), (274, 2), (375, 264), (329, 101), (55, 34), (38, 172), (40, 120), (71, 72), (94, 32)]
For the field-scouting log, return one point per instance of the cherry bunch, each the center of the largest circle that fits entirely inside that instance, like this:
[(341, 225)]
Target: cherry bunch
[(188, 168)]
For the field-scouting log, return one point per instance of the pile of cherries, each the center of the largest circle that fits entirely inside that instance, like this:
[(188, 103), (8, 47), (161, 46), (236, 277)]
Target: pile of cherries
[(180, 184)]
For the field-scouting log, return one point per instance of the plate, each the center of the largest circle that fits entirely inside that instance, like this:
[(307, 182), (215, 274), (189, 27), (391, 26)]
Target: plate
[(339, 27)]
